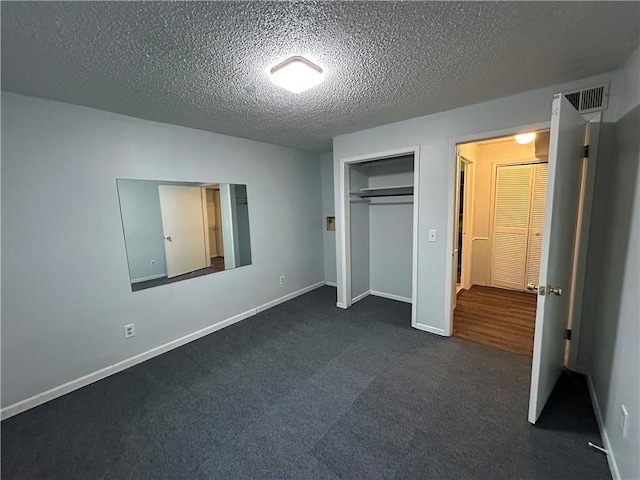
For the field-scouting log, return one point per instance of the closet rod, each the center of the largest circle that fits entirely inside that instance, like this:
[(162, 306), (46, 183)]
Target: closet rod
[(388, 195)]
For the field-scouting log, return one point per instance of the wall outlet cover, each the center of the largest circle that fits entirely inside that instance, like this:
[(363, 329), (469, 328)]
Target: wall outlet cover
[(129, 331), (282, 280)]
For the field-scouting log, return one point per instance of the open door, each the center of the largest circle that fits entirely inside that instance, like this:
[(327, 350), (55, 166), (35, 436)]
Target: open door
[(183, 226), (566, 150)]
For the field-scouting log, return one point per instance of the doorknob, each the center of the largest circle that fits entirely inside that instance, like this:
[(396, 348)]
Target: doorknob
[(556, 290), (542, 290), (535, 288), (167, 237)]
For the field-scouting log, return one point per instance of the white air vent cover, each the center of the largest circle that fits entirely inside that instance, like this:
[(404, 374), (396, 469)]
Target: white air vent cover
[(592, 99)]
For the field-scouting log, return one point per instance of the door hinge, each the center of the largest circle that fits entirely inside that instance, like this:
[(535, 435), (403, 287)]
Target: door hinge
[(568, 334), (585, 152)]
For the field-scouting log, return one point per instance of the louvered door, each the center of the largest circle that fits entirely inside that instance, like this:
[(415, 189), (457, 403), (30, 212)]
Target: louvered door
[(511, 225), (538, 194)]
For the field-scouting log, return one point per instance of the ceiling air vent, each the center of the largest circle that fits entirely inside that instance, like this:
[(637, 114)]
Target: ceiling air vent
[(592, 99)]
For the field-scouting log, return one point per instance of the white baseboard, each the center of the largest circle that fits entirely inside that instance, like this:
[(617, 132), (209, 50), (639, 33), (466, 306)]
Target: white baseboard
[(613, 466), (285, 298), (341, 305), (360, 297), (390, 296), (331, 284), (78, 383), (150, 277), (427, 328)]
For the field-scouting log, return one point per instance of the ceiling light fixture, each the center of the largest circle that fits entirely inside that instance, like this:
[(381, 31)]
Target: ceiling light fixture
[(296, 74), (524, 138)]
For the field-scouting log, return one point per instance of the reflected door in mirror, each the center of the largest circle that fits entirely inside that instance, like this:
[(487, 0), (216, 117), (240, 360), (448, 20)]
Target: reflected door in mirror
[(179, 230), (181, 209)]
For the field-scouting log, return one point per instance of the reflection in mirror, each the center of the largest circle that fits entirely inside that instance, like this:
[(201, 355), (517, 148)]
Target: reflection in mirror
[(179, 230)]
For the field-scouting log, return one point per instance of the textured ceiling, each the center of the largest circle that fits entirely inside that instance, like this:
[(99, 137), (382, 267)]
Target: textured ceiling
[(204, 65)]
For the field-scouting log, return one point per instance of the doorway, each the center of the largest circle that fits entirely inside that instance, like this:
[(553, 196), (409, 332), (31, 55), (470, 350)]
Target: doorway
[(372, 187), (500, 196), (213, 227)]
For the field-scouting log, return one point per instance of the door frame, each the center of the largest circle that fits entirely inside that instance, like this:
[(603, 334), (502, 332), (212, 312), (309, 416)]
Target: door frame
[(585, 205), (467, 221), (205, 222), (344, 233), (450, 285)]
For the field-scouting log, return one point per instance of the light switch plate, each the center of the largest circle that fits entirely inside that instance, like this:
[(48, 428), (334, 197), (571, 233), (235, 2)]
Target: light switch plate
[(433, 235)]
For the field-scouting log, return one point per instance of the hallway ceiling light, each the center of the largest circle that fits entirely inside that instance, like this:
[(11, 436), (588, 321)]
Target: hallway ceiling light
[(296, 74), (524, 138)]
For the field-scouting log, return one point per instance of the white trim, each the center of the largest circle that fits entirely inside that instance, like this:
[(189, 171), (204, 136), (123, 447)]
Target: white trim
[(78, 383), (390, 296), (344, 231), (344, 280), (416, 220), (331, 284), (611, 459), (288, 297), (427, 328), (449, 285), (205, 225), (150, 277), (360, 297), (467, 222)]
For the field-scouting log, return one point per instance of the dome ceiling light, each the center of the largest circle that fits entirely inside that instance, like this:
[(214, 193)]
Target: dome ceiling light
[(296, 74)]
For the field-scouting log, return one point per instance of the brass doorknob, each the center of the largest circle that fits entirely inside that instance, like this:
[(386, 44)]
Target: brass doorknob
[(541, 290), (555, 290)]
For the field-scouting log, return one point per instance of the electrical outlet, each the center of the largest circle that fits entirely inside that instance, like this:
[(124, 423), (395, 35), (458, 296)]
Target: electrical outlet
[(623, 420), (129, 331), (282, 280), (153, 263), (433, 235)]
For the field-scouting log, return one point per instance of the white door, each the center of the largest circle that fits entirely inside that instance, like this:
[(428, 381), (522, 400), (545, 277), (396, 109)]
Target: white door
[(566, 146), (536, 222), (182, 224), (511, 225)]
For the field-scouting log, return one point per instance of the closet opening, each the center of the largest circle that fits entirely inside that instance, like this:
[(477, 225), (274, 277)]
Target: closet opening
[(379, 227), (499, 217)]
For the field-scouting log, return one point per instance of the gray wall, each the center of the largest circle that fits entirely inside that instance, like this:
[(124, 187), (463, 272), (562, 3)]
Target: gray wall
[(610, 346), (65, 290), (142, 225), (391, 230), (328, 210), (391, 248), (434, 135)]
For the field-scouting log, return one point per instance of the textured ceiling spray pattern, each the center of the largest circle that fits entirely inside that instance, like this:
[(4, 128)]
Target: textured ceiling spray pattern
[(204, 65)]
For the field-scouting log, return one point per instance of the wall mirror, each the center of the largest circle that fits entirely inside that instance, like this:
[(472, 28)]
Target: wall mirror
[(179, 230)]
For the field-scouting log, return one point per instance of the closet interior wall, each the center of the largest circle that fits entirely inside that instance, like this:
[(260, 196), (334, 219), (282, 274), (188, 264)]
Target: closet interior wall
[(382, 229)]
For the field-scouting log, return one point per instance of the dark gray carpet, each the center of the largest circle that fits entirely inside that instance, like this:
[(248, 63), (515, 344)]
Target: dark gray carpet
[(306, 390)]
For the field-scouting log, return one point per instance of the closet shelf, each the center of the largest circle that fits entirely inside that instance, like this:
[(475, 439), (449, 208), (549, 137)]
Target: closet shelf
[(386, 191)]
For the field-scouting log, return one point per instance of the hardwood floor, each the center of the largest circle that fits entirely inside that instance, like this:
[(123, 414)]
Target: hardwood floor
[(496, 317)]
